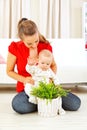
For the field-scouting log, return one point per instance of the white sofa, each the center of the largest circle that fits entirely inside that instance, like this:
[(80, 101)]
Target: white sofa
[(70, 56)]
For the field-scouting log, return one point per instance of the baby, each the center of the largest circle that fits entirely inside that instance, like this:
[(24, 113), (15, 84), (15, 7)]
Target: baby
[(41, 72)]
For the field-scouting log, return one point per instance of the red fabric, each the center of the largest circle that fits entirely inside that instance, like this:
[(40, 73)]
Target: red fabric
[(86, 46), (22, 52)]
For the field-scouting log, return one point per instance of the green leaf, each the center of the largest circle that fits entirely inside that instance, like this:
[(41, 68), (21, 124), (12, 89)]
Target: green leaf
[(48, 91)]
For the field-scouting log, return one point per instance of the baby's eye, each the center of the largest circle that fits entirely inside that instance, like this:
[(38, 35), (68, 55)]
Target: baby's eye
[(42, 63)]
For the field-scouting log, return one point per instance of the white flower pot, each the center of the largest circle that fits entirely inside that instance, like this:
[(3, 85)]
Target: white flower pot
[(48, 108)]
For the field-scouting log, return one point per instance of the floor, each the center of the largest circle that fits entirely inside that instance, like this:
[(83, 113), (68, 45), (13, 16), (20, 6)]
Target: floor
[(9, 120)]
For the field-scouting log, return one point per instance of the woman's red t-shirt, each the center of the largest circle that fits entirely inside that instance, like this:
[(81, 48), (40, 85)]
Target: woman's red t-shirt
[(22, 53)]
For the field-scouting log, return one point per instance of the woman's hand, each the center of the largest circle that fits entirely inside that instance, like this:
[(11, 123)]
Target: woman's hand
[(29, 80)]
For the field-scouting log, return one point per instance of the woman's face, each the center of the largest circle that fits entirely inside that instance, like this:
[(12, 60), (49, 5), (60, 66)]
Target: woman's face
[(31, 41)]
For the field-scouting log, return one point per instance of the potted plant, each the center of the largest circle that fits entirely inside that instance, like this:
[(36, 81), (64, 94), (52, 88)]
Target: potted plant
[(48, 97)]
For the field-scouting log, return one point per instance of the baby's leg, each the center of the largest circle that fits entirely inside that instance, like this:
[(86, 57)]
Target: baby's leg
[(28, 88), (61, 111)]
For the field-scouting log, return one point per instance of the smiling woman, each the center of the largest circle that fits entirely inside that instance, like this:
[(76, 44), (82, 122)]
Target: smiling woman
[(18, 52)]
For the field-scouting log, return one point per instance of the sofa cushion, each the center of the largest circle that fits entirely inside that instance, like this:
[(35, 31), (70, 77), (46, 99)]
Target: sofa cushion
[(2, 60), (70, 56)]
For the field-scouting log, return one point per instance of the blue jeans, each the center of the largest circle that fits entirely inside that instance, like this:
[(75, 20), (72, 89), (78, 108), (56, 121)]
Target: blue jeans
[(21, 104), (71, 102)]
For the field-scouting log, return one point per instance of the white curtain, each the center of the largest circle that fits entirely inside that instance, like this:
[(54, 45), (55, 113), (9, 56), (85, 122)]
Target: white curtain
[(55, 18), (65, 18), (51, 16), (4, 18), (10, 13)]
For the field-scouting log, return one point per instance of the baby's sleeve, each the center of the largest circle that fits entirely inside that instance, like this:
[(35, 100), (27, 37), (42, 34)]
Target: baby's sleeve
[(54, 77), (30, 69)]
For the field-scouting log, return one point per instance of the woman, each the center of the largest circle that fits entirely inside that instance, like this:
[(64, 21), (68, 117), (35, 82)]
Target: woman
[(32, 42)]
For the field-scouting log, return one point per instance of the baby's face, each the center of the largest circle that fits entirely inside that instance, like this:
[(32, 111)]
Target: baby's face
[(44, 62)]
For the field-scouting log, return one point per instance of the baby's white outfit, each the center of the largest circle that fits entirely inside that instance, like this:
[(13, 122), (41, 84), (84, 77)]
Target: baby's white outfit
[(40, 75)]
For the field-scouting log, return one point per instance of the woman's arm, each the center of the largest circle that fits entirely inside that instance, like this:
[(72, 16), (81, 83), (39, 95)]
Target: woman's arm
[(54, 66), (10, 69)]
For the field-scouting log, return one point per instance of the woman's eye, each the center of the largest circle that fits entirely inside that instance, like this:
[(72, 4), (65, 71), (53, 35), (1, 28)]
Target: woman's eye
[(37, 41)]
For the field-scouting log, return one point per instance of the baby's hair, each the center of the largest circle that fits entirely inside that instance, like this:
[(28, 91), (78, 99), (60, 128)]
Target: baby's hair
[(46, 53)]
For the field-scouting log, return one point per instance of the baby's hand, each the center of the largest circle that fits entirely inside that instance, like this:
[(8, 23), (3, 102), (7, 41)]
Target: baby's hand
[(31, 61), (29, 80)]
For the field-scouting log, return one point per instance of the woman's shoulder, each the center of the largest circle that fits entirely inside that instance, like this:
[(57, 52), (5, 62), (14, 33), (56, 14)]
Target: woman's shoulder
[(16, 46), (16, 43), (19, 45), (43, 45)]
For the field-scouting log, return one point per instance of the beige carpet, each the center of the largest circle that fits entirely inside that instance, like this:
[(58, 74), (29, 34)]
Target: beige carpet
[(9, 120)]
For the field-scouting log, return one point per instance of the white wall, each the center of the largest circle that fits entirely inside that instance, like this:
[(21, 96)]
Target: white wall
[(76, 18)]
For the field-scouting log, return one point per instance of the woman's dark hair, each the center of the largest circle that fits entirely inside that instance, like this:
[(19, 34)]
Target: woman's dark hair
[(23, 19)]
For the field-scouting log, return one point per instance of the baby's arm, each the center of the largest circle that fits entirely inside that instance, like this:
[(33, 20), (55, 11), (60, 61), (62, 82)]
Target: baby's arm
[(30, 69), (32, 61), (54, 77)]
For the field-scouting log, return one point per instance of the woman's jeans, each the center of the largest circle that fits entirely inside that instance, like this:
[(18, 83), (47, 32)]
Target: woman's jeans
[(21, 104)]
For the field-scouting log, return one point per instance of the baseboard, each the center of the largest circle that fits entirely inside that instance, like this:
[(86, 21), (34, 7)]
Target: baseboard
[(7, 87)]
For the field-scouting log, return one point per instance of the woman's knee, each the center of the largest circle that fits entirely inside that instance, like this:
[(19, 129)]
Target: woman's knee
[(71, 102), (16, 105), (21, 105)]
